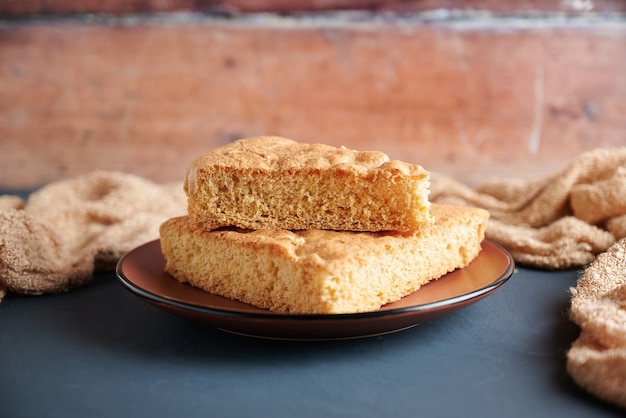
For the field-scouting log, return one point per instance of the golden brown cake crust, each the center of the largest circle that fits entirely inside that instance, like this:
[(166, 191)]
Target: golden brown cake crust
[(274, 182), (278, 153), (321, 271)]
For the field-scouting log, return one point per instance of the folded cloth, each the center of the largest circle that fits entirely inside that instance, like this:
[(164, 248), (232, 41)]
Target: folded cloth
[(63, 232), (575, 218), (597, 359), (562, 221)]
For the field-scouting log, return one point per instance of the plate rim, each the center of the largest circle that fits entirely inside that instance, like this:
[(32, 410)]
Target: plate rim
[(278, 316)]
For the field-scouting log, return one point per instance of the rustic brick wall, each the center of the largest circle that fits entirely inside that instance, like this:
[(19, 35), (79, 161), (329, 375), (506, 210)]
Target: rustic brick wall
[(475, 90)]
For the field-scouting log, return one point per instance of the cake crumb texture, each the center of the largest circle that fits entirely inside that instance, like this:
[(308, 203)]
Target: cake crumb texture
[(321, 271), (274, 182)]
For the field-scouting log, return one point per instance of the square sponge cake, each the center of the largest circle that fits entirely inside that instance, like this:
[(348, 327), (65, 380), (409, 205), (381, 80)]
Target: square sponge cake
[(273, 182), (321, 271)]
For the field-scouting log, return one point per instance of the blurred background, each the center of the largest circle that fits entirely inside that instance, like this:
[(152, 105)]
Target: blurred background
[(471, 89)]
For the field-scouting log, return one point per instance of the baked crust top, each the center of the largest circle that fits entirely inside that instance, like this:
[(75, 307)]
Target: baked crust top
[(274, 153)]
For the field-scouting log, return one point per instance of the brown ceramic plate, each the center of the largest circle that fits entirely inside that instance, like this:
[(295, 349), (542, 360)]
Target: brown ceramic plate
[(142, 272)]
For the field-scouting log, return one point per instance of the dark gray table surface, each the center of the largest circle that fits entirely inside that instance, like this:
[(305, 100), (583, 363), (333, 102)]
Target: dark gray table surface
[(98, 351)]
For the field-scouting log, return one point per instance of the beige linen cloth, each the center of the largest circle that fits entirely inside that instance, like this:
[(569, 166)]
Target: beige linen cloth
[(562, 221), (573, 219), (64, 231)]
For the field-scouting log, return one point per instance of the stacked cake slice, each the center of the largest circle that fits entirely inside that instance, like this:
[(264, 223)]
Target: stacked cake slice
[(301, 228)]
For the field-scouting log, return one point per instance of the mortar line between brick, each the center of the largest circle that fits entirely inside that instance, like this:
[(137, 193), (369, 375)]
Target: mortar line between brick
[(450, 19)]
